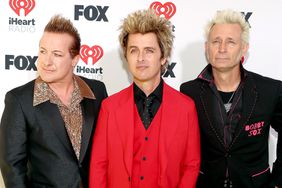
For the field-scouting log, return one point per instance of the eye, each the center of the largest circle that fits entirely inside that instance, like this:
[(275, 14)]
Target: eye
[(42, 51), (57, 55), (231, 42), (149, 51), (215, 42), (132, 50)]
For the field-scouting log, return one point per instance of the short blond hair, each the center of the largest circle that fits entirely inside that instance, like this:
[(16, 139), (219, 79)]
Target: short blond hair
[(60, 24), (146, 21), (229, 17)]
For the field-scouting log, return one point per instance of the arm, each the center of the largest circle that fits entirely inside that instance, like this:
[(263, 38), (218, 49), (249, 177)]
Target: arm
[(99, 161), (276, 123), (191, 165), (13, 137)]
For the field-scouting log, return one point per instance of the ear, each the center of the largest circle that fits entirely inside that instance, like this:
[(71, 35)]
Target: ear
[(206, 46), (245, 48), (75, 60), (163, 61)]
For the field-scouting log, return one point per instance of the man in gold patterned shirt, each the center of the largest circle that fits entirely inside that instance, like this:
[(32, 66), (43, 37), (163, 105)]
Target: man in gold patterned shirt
[(48, 123)]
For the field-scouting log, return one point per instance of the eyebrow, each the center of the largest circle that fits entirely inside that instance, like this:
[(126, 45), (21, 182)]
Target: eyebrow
[(228, 38), (148, 47)]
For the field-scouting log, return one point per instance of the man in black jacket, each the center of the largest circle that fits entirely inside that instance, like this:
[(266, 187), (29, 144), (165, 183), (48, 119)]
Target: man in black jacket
[(236, 109), (47, 124)]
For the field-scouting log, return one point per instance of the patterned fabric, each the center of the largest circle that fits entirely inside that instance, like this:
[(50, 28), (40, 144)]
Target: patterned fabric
[(72, 114), (147, 115)]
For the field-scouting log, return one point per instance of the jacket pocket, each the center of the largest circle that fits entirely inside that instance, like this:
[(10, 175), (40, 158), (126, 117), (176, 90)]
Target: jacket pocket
[(261, 178)]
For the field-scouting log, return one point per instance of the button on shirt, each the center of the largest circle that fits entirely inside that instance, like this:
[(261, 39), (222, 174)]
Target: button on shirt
[(72, 114), (140, 97)]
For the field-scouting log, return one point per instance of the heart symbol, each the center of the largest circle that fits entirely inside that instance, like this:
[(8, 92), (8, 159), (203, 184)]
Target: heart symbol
[(17, 5), (168, 9), (95, 52)]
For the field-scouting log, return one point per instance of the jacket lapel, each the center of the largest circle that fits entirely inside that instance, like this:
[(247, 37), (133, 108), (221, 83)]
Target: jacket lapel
[(87, 107), (249, 98), (125, 125), (53, 118), (212, 111), (168, 127)]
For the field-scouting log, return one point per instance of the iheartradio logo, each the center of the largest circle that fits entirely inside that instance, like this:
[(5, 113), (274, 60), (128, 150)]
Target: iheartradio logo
[(94, 52), (26, 5), (168, 9)]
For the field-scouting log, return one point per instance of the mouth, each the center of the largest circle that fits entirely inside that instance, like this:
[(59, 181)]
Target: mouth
[(47, 70), (142, 67), (222, 59)]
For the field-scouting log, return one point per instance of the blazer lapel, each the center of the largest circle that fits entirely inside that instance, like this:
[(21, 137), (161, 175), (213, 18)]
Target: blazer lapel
[(249, 98), (54, 119), (212, 111), (125, 124), (168, 127), (87, 107)]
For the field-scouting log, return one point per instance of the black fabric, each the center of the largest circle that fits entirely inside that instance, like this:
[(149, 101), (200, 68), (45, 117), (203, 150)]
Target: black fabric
[(147, 115), (35, 148), (226, 96), (154, 101), (245, 160)]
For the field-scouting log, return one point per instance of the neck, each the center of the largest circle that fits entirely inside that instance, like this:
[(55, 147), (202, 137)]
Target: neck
[(227, 81), (148, 87), (63, 90)]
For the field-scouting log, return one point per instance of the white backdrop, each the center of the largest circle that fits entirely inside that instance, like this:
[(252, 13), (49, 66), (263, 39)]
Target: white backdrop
[(98, 22)]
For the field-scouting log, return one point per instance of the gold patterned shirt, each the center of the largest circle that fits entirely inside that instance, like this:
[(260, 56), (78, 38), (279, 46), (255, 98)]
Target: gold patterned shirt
[(72, 114)]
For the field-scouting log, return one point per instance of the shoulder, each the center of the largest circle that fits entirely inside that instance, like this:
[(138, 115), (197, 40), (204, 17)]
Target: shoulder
[(93, 83), (192, 88), (192, 83), (23, 90), (264, 82), (177, 97), (119, 98), (97, 87)]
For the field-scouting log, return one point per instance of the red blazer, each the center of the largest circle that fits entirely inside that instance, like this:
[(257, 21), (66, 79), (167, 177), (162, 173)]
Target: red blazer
[(179, 145)]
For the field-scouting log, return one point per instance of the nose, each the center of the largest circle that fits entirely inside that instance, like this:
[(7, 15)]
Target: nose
[(222, 47), (46, 60), (140, 57)]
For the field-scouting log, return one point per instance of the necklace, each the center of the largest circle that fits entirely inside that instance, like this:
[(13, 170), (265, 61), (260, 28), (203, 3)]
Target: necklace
[(227, 105)]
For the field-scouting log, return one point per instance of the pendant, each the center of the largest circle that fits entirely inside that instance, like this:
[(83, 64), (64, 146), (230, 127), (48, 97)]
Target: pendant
[(227, 106)]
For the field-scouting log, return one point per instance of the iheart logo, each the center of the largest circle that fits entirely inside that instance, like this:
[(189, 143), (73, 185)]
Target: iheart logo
[(168, 9), (26, 5), (95, 52)]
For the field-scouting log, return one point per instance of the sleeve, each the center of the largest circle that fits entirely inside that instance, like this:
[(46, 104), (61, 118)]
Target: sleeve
[(276, 123), (13, 143), (98, 160), (104, 94), (191, 165)]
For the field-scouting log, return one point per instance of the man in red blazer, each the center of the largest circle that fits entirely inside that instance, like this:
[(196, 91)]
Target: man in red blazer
[(140, 144)]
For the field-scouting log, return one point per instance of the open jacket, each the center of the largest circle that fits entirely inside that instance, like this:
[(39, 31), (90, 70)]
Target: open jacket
[(35, 150), (246, 158), (179, 148)]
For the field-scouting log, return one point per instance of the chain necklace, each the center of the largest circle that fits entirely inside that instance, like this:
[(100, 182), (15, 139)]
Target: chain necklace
[(227, 105)]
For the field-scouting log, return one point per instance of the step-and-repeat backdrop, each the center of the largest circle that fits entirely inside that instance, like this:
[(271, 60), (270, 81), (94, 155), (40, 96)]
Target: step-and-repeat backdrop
[(22, 23)]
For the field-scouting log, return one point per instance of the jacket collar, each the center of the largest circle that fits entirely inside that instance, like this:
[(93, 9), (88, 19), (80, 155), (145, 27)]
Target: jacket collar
[(206, 73), (125, 121), (42, 90)]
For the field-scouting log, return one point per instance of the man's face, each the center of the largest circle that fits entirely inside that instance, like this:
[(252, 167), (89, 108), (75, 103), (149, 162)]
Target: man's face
[(55, 64), (143, 55), (224, 47)]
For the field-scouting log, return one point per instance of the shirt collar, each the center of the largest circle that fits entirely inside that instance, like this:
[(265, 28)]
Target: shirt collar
[(206, 73), (139, 94), (41, 90)]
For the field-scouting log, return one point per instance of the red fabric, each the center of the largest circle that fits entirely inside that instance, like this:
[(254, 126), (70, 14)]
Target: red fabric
[(179, 143), (145, 152)]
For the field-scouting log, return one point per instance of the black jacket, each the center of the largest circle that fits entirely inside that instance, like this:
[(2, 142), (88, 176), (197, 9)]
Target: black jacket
[(246, 158), (35, 150)]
